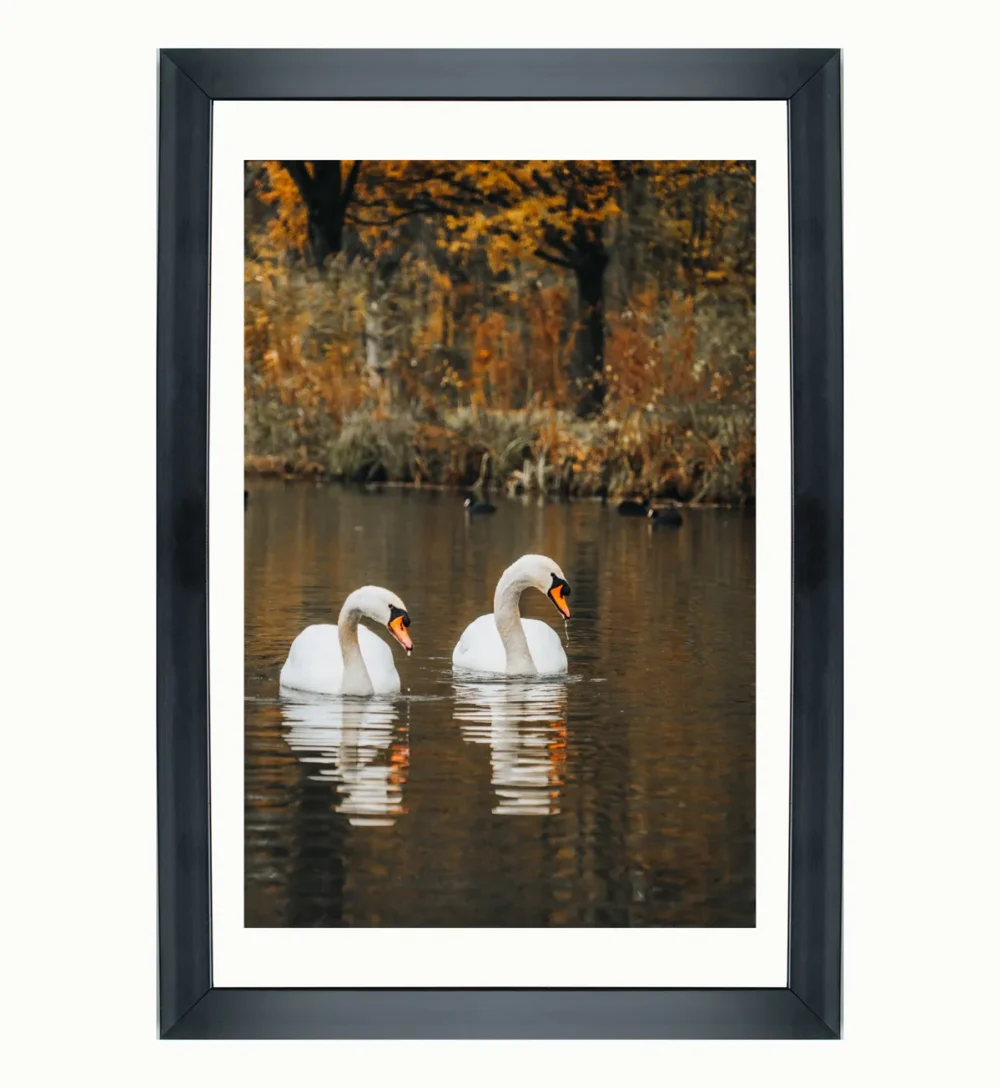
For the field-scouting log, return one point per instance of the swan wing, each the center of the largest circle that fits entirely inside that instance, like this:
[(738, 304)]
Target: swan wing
[(480, 649), (314, 662), (546, 647)]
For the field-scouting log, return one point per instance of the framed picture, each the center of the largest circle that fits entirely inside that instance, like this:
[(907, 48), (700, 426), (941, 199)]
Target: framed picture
[(530, 364)]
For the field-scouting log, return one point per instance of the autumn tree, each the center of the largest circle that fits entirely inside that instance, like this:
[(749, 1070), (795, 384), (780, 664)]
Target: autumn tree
[(707, 214), (327, 191), (559, 212), (340, 196)]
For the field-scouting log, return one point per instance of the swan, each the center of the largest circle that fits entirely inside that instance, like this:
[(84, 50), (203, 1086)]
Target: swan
[(504, 643), (341, 660)]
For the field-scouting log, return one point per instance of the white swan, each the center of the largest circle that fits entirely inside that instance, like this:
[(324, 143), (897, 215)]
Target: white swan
[(341, 660), (504, 643)]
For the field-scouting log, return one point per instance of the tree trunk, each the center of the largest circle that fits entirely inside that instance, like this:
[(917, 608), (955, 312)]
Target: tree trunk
[(374, 332), (588, 356), (326, 212), (327, 196), (378, 329)]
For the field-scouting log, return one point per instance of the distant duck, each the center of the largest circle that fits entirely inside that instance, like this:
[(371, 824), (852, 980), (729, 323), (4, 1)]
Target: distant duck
[(633, 508), (246, 498), (482, 507), (665, 519)]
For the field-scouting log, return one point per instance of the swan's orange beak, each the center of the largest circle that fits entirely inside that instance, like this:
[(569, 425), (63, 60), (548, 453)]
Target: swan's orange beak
[(557, 594), (398, 625)]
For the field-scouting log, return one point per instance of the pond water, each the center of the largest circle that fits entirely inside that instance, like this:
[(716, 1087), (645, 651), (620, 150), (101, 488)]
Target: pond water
[(620, 795)]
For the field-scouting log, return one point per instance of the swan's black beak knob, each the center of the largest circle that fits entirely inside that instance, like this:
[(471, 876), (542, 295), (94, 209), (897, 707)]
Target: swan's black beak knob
[(398, 623)]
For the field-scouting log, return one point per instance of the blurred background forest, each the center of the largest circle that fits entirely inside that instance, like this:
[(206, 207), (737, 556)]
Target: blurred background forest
[(572, 328)]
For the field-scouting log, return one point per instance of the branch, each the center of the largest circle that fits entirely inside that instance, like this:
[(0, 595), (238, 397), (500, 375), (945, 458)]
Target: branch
[(553, 259), (542, 183), (420, 204), (390, 219), (554, 240), (514, 181), (352, 181)]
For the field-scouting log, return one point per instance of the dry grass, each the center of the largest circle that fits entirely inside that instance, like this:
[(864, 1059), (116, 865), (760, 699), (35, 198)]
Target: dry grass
[(482, 400)]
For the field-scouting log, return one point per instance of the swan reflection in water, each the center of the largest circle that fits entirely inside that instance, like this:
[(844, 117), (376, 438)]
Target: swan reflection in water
[(359, 745), (524, 723)]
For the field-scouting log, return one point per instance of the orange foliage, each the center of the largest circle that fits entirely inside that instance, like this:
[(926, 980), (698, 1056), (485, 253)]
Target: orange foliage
[(479, 312), (287, 229)]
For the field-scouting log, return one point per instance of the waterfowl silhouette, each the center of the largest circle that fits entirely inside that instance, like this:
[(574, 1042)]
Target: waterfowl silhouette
[(665, 519)]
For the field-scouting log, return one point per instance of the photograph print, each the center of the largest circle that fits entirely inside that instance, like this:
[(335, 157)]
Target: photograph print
[(499, 507)]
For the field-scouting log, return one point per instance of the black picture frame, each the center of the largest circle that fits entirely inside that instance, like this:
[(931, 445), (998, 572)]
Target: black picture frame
[(190, 1006)]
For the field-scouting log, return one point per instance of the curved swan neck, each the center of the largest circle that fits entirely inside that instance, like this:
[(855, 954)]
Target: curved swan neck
[(356, 680), (507, 616)]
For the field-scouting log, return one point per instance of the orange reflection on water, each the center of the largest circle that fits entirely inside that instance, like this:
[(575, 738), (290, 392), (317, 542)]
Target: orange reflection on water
[(524, 723), (359, 745)]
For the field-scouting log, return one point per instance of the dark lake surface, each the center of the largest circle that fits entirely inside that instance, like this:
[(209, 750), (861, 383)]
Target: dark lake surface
[(620, 795)]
